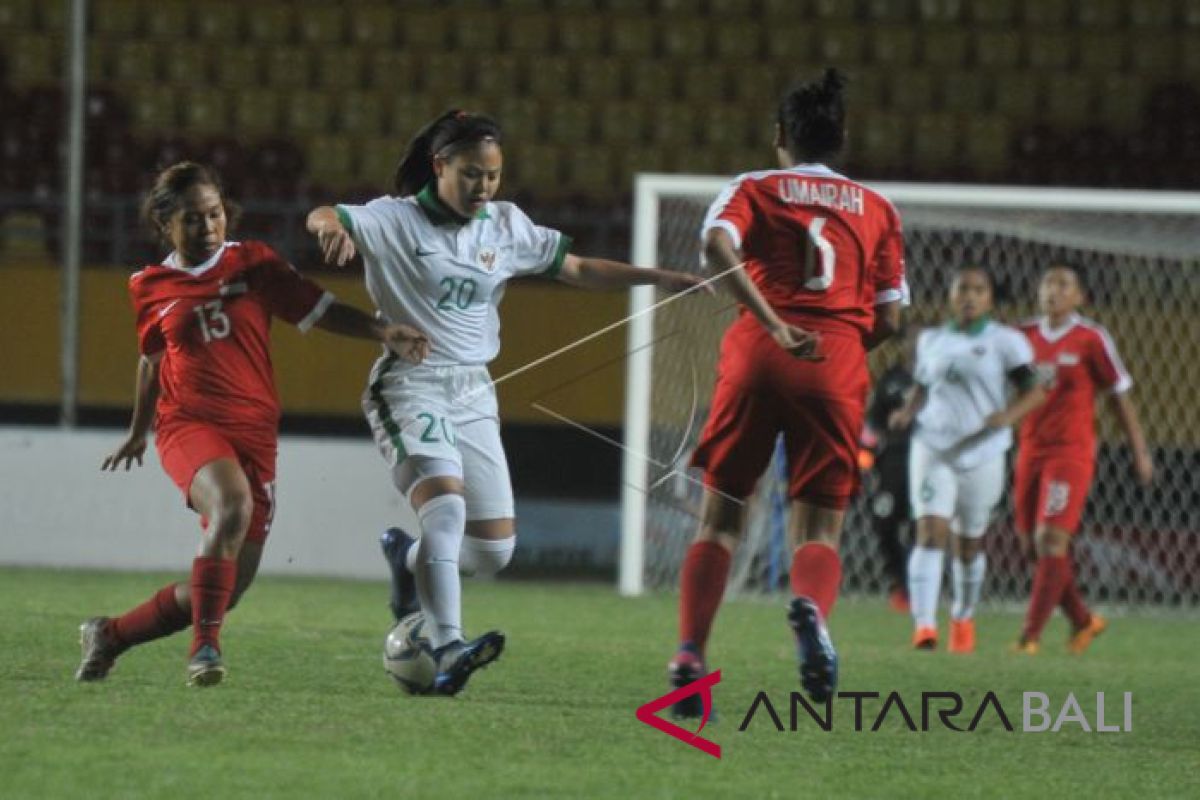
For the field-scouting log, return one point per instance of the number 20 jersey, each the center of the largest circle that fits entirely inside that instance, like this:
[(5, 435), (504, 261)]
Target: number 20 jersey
[(211, 325), (822, 249)]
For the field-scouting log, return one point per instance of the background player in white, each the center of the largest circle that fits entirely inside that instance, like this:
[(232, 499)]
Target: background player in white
[(964, 412), (438, 254)]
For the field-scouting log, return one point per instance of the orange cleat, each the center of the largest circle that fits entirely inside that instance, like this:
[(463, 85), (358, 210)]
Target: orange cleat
[(898, 601), (1081, 639), (925, 638), (962, 636), (1026, 647)]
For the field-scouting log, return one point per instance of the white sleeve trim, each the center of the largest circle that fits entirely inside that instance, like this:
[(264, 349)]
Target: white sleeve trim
[(1124, 381), (729, 228), (889, 296), (317, 312)]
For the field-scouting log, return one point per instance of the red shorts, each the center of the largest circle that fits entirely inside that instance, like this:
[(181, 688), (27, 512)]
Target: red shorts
[(763, 391), (1050, 491), (185, 447)]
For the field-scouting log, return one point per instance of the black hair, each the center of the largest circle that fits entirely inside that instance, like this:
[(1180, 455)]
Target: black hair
[(1073, 267), (453, 131), (982, 270), (812, 117), (170, 185)]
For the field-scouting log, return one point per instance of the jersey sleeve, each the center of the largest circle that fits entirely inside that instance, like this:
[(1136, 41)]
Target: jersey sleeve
[(291, 296), (891, 284), (149, 328), (536, 250), (1015, 350), (368, 224), (731, 212), (923, 371), (1105, 365)]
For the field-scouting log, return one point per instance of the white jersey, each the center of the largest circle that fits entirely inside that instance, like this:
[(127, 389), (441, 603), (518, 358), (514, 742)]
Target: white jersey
[(431, 269), (965, 374)]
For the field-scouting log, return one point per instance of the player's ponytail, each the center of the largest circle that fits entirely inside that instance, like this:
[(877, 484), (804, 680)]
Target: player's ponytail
[(443, 137), (166, 195), (812, 117)]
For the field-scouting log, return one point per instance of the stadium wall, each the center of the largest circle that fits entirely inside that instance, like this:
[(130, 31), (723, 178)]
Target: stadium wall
[(334, 497)]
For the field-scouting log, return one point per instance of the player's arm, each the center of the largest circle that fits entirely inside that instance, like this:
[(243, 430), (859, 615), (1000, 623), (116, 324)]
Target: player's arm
[(914, 401), (337, 246), (1127, 416), (599, 273), (726, 263), (887, 324), (346, 320), (1030, 395), (145, 398)]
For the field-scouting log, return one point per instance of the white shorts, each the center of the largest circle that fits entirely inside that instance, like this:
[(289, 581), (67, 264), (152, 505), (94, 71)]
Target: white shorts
[(966, 497), (444, 413)]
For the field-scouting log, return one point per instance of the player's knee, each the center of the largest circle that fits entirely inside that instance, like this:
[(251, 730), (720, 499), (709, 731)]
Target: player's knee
[(234, 512), (443, 517), (485, 558), (1052, 542)]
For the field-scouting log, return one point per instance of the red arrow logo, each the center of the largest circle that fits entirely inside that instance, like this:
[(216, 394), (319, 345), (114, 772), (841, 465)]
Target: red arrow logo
[(648, 713)]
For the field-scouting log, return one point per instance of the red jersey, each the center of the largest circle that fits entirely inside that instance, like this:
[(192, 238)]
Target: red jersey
[(1074, 362), (212, 323), (822, 249)]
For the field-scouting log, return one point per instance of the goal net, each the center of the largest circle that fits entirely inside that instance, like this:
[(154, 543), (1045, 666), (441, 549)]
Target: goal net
[(1137, 546)]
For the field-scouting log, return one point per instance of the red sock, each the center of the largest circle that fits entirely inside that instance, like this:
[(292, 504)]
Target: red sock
[(212, 586), (817, 575), (1072, 601), (157, 617), (1048, 583), (701, 587)]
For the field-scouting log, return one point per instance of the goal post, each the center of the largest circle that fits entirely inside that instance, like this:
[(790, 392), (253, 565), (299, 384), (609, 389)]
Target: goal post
[(1140, 252)]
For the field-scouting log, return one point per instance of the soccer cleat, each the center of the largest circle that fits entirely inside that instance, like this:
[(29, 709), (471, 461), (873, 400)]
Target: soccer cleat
[(687, 667), (962, 636), (898, 601), (925, 638), (818, 659), (205, 668), (1026, 647), (396, 544), (1081, 639), (98, 651), (459, 659)]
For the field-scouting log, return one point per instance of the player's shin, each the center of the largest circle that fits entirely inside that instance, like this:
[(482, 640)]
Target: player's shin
[(701, 588), (925, 584), (967, 584), (443, 519)]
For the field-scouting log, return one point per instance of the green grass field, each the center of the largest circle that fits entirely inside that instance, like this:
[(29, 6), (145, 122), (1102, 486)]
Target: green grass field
[(308, 712)]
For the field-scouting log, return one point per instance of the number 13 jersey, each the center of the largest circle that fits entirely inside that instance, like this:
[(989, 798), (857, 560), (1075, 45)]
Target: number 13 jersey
[(211, 325), (822, 249)]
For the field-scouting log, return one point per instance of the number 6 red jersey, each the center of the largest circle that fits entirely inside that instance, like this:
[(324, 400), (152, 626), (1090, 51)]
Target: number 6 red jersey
[(211, 325), (822, 249)]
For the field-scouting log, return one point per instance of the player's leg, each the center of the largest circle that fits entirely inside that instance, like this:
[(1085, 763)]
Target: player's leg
[(816, 576), (979, 491), (491, 535), (932, 495), (889, 511)]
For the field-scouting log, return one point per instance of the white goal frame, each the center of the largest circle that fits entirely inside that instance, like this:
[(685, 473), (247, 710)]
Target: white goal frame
[(649, 187)]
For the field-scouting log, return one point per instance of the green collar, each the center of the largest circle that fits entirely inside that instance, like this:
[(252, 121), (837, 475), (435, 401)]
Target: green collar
[(438, 212), (974, 329)]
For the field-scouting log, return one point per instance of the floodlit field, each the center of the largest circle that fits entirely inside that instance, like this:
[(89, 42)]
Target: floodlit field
[(307, 710)]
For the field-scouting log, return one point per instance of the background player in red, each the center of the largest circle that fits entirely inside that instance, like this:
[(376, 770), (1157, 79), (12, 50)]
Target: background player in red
[(820, 281), (203, 321), (1076, 358)]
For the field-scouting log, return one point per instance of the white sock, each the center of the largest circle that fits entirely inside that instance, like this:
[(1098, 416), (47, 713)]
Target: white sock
[(438, 585), (966, 585), (925, 584), (485, 557)]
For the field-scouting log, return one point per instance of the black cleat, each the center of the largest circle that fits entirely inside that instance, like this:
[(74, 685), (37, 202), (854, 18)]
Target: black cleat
[(396, 544), (99, 652), (687, 667), (458, 660), (206, 667), (818, 659)]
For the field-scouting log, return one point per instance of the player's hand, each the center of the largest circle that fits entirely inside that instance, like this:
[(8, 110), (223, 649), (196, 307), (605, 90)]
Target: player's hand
[(675, 282), (406, 342), (337, 247), (899, 419), (1143, 468), (132, 448), (799, 342)]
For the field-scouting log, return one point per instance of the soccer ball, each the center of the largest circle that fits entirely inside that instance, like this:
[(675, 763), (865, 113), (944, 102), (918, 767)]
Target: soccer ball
[(408, 655)]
